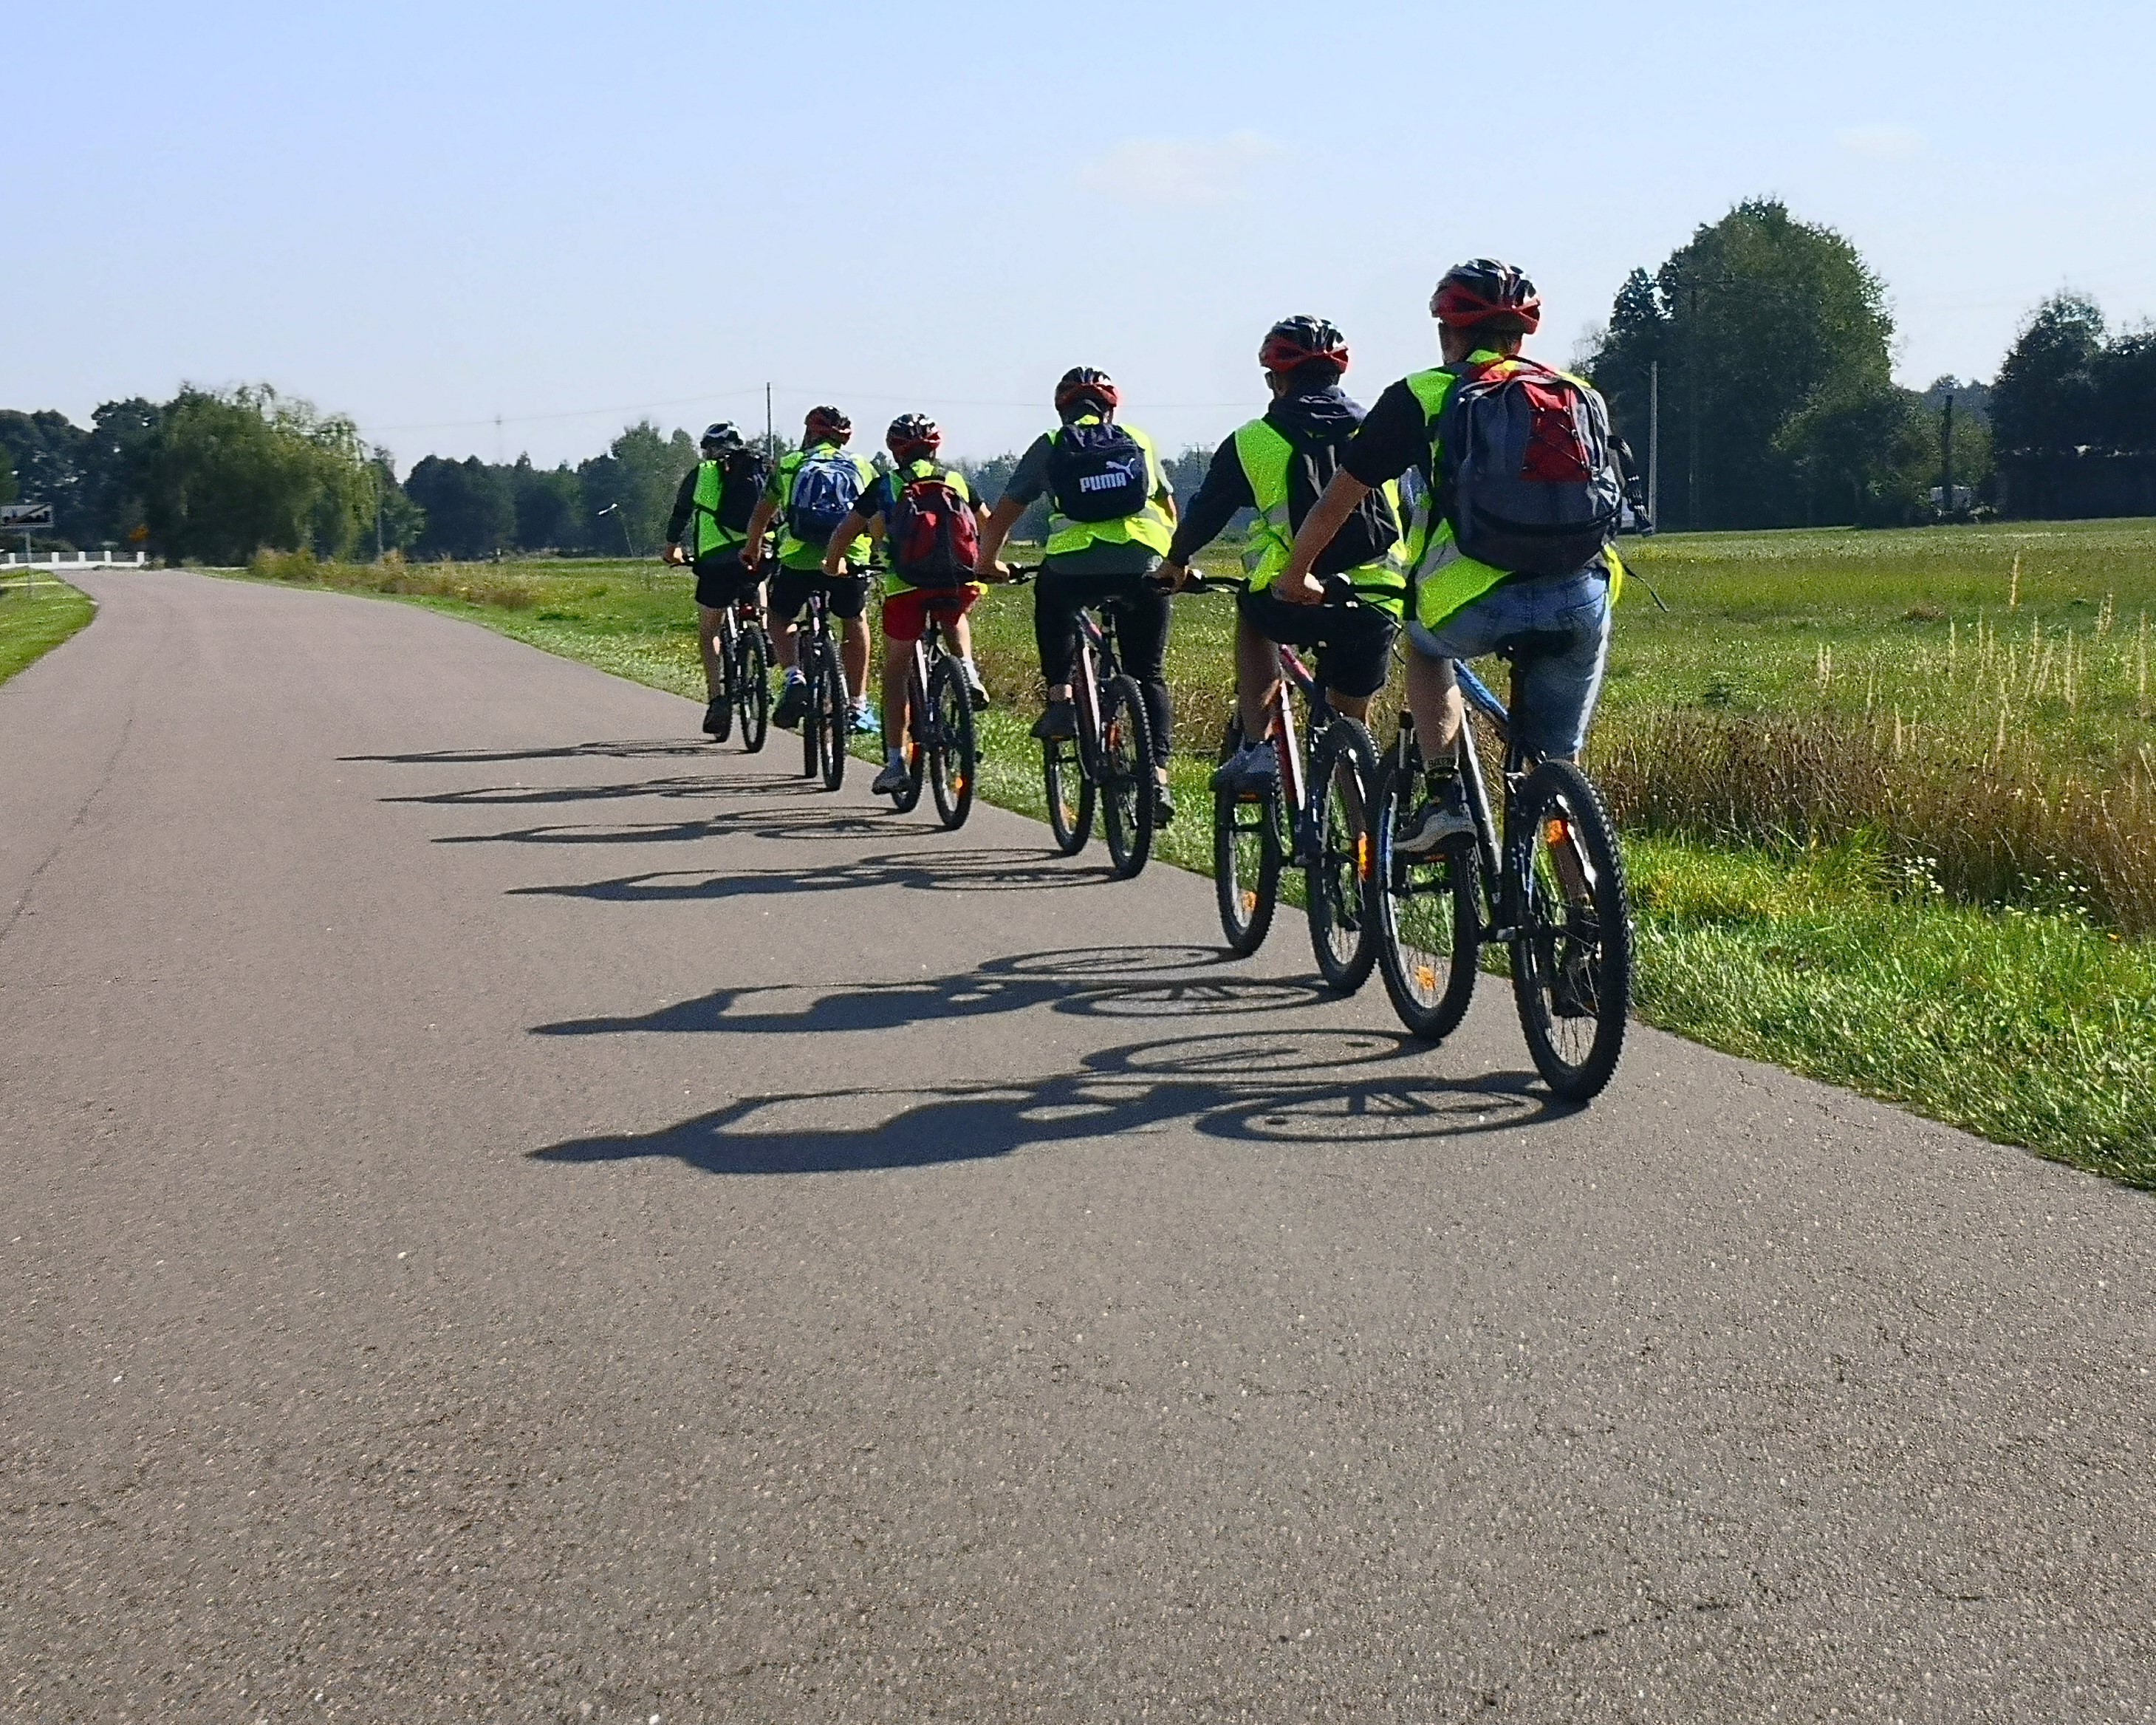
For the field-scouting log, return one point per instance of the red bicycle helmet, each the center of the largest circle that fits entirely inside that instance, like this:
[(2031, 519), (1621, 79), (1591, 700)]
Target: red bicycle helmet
[(1083, 383), (1485, 295), (912, 437), (1294, 340), (826, 425)]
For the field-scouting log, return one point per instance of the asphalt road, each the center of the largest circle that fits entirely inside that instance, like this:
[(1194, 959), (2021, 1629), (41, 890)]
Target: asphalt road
[(510, 1214)]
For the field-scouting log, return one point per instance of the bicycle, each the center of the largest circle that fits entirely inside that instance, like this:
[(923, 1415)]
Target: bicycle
[(939, 744), (744, 674), (826, 710), (1552, 892), (1109, 763), (1314, 816)]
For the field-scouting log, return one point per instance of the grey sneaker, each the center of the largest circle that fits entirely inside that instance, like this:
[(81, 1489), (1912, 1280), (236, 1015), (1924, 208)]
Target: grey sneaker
[(1058, 724), (1253, 769), (978, 691), (1442, 817), (891, 780)]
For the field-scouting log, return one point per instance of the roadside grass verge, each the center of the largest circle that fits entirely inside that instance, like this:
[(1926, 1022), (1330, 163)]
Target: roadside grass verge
[(1801, 897), (32, 623)]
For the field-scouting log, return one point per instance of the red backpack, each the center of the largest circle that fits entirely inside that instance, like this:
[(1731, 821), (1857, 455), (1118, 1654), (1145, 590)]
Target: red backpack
[(933, 535)]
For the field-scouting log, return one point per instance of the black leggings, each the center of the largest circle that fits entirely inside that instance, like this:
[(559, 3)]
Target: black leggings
[(1140, 610)]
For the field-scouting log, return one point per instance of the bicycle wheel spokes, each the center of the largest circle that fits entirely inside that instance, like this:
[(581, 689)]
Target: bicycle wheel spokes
[(1069, 795), (1572, 962), (1246, 857), (833, 714), (950, 758), (1342, 771), (752, 689), (1426, 911), (1125, 778)]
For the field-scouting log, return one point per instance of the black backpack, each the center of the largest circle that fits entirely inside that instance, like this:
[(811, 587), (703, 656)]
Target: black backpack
[(1096, 472), (1366, 536)]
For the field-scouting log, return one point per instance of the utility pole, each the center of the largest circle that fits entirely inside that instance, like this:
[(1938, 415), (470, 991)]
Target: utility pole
[(1655, 441), (1946, 457), (770, 437)]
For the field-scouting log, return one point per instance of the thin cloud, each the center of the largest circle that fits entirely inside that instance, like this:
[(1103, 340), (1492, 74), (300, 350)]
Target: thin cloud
[(1179, 172), (1882, 143)]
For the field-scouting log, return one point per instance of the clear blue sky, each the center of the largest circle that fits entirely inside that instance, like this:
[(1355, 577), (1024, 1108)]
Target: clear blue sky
[(424, 214)]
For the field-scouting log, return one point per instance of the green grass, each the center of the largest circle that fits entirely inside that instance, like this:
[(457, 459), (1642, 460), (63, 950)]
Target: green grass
[(2010, 1003), (34, 622)]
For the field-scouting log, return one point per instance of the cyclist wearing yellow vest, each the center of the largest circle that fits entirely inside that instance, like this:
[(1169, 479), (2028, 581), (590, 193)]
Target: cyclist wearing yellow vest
[(1276, 465), (711, 511), (913, 439), (1088, 561), (801, 566), (1556, 627)]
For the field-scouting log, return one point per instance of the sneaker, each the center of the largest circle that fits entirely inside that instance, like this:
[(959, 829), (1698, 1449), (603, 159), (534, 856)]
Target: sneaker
[(1163, 806), (715, 716), (866, 723), (1443, 816), (977, 690), (891, 780), (791, 699), (1060, 723), (1254, 769)]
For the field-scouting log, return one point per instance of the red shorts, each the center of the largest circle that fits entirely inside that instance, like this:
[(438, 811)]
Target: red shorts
[(905, 612)]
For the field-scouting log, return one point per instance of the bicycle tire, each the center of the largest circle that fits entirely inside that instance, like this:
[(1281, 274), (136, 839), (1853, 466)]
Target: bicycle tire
[(1572, 959), (951, 755), (907, 797), (1127, 781), (1427, 913), (1338, 869), (812, 697), (834, 712), (1070, 795), (1246, 857), (752, 689), (724, 700)]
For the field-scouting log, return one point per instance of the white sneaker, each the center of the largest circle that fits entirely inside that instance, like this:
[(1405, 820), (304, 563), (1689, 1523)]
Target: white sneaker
[(1443, 816)]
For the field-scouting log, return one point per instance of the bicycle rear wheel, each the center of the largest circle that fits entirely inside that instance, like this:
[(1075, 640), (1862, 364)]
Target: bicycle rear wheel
[(1246, 857), (812, 701), (727, 648), (1126, 783), (1344, 769), (1070, 794), (832, 713), (907, 797), (753, 688), (950, 762), (1572, 960), (1426, 913)]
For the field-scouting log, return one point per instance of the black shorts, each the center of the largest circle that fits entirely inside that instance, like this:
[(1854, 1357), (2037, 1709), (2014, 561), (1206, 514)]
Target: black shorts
[(721, 580), (846, 595), (1354, 643)]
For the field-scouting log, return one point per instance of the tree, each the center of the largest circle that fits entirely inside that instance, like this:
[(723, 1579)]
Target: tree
[(470, 509), (637, 477), (1758, 318), (7, 489), (45, 449), (2043, 400), (234, 473), (2123, 381), (550, 507), (115, 456)]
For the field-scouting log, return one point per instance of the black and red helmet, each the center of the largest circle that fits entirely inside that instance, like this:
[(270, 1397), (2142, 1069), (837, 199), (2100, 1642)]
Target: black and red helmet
[(826, 425), (1084, 384), (1297, 341), (912, 437), (1485, 295)]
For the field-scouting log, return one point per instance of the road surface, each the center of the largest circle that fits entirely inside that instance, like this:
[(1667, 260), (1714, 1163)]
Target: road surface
[(512, 1213)]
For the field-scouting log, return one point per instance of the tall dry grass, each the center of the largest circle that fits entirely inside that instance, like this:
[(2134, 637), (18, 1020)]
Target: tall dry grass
[(475, 584)]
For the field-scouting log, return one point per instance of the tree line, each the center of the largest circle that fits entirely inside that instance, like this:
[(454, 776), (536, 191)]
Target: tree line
[(1761, 349)]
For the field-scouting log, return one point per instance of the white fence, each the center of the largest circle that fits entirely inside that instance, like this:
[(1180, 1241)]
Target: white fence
[(75, 560)]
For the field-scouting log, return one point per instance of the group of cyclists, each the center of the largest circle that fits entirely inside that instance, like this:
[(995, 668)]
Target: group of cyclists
[(1471, 510)]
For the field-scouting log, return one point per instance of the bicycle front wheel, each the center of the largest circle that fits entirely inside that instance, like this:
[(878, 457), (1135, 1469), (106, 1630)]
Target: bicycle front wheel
[(1344, 769), (907, 797), (1426, 913), (1246, 856), (1572, 959), (833, 713), (753, 688), (1126, 782), (951, 760), (1069, 795)]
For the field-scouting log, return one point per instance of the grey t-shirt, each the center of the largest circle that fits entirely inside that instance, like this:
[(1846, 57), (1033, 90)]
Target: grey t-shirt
[(1029, 480)]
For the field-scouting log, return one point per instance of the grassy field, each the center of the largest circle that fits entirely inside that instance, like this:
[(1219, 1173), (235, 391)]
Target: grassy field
[(1886, 795), (34, 622)]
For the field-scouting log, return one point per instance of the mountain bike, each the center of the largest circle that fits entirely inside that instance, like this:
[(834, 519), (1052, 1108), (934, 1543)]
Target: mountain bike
[(744, 673), (1108, 764), (1552, 889), (826, 712), (1315, 817), (940, 743)]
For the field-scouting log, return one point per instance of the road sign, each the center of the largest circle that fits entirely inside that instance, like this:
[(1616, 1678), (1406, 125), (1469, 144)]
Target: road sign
[(26, 515)]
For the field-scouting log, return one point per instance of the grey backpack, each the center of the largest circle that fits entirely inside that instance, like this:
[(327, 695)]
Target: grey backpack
[(1529, 475)]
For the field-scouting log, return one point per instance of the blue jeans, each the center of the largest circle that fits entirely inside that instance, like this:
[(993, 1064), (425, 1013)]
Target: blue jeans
[(1558, 631)]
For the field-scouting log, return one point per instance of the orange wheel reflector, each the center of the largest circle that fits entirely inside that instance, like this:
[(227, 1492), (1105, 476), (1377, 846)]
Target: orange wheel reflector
[(1556, 830), (958, 787), (1249, 902), (1363, 855), (1426, 976)]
